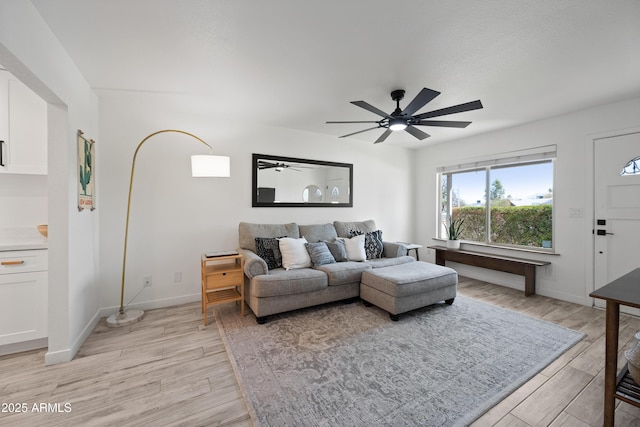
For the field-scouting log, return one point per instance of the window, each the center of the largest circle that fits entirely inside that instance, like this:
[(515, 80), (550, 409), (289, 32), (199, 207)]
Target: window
[(632, 167), (507, 202)]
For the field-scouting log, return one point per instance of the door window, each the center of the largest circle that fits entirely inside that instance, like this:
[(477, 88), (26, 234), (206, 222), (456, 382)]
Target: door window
[(632, 167)]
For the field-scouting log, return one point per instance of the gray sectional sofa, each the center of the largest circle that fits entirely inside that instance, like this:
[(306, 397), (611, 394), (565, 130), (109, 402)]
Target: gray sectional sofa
[(272, 291)]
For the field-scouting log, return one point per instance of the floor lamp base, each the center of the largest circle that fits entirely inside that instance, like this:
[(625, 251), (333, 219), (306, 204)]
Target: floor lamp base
[(129, 317)]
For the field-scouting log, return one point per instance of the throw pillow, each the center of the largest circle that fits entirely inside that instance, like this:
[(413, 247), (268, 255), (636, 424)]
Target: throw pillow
[(268, 249), (294, 253), (319, 254), (373, 245), (337, 249), (355, 248)]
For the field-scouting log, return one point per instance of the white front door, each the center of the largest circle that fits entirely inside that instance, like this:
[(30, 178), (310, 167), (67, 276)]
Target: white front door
[(617, 209)]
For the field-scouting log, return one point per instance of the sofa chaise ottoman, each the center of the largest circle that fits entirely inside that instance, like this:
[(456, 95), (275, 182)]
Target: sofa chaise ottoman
[(402, 288), (271, 291)]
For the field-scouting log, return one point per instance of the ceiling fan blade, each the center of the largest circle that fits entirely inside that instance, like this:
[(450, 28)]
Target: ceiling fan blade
[(423, 98), (265, 165), (360, 131), (383, 136), (467, 106), (369, 107), (365, 121), (443, 123), (417, 132)]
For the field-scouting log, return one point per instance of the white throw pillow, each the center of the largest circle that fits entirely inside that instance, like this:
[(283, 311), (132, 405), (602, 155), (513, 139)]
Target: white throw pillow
[(355, 248), (294, 253)]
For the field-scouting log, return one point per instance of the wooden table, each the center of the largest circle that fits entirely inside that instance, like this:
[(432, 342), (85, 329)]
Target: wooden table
[(521, 266), (622, 291), (222, 281)]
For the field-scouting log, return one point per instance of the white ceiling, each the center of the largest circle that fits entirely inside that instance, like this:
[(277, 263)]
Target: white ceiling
[(297, 64)]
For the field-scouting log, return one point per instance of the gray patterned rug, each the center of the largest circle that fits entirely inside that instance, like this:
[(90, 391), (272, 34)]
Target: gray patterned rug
[(349, 365)]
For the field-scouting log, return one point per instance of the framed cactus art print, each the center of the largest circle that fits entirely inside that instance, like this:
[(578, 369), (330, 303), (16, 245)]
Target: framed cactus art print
[(86, 176)]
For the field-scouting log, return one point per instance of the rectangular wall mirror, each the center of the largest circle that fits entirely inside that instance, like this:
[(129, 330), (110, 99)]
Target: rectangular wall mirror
[(290, 182)]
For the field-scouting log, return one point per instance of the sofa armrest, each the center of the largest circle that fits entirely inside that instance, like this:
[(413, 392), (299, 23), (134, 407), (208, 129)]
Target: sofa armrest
[(253, 264), (393, 249)]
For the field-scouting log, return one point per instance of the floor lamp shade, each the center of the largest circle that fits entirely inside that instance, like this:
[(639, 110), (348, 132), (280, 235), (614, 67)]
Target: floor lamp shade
[(201, 166), (204, 165)]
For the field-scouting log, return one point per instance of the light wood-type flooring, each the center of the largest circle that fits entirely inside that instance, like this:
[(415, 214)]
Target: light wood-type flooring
[(170, 370)]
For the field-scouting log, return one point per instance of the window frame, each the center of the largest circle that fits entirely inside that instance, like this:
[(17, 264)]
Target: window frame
[(526, 157)]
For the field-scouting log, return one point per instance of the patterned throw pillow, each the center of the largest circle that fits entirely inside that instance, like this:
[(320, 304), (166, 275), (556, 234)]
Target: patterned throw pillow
[(268, 249), (319, 253), (373, 246), (337, 249)]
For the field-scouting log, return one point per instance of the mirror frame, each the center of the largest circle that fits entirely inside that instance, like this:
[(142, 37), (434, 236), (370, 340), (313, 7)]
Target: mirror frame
[(254, 186)]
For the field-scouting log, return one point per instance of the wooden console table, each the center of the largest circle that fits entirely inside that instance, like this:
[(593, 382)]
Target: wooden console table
[(622, 291), (521, 266)]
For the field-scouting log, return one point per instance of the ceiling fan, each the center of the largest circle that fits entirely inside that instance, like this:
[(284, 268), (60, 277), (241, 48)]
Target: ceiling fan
[(406, 120), (279, 167)]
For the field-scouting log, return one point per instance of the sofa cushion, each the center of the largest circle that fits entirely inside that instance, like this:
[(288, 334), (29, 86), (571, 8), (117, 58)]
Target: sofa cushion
[(410, 279), (294, 253), (344, 272), (388, 262), (248, 232), (344, 229), (268, 248), (337, 249), (319, 254), (318, 232), (287, 282), (355, 248)]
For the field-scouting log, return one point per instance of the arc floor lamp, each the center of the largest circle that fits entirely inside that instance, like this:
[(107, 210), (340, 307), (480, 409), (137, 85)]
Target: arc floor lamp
[(206, 165)]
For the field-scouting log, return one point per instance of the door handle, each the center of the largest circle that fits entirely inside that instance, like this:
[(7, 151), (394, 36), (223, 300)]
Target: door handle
[(603, 232), (1, 159)]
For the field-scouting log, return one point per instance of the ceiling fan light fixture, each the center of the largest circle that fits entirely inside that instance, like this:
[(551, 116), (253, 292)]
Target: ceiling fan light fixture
[(407, 119), (397, 124)]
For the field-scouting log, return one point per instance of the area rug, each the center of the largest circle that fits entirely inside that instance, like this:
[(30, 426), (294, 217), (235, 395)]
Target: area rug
[(350, 365)]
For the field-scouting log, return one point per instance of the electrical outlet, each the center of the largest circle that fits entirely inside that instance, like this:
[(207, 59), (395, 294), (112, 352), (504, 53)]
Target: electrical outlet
[(146, 280), (177, 277)]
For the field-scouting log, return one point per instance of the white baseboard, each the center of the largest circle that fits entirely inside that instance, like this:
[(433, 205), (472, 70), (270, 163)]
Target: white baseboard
[(150, 305), (66, 355), (514, 281), (55, 357)]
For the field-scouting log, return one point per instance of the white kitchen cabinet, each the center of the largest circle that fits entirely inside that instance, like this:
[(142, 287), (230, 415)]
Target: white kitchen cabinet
[(23, 296), (23, 128)]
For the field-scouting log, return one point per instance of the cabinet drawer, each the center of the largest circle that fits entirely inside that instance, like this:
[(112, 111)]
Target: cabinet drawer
[(224, 279), (23, 261)]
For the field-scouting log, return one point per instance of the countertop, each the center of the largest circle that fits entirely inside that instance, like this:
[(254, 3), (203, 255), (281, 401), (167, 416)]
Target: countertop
[(21, 238)]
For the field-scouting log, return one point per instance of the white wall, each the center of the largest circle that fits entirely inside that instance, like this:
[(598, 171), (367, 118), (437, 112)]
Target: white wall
[(570, 275), (29, 51), (174, 218)]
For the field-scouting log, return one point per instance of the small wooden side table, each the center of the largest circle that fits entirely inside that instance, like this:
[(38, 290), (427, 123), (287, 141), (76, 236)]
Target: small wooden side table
[(622, 291), (222, 281)]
